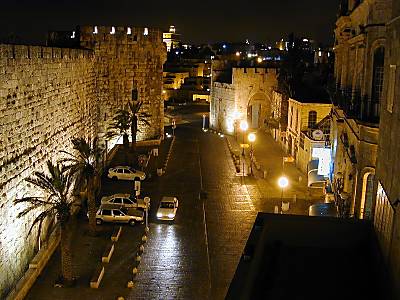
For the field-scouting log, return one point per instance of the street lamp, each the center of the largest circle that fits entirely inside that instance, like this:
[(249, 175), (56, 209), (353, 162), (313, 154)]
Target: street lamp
[(282, 182), (251, 137), (243, 126)]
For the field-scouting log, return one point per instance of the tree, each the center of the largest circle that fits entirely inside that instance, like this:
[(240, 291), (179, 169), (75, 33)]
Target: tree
[(54, 203), (83, 166), (120, 126), (136, 116)]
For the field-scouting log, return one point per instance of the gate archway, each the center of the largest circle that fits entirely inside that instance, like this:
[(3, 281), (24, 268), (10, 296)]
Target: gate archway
[(259, 109)]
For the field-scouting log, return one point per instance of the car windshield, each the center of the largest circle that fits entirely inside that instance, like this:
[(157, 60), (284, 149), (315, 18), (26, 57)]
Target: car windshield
[(167, 205)]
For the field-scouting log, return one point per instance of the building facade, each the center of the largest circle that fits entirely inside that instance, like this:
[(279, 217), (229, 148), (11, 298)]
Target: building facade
[(241, 94), (360, 38), (49, 96), (305, 131), (387, 214)]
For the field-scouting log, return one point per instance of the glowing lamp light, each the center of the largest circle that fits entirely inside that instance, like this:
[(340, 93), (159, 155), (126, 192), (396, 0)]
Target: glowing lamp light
[(243, 125), (237, 53), (259, 60), (283, 182), (95, 31), (251, 137), (146, 31), (73, 35), (129, 31), (112, 30)]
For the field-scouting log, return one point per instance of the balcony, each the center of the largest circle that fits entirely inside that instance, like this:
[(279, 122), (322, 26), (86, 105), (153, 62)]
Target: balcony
[(357, 106)]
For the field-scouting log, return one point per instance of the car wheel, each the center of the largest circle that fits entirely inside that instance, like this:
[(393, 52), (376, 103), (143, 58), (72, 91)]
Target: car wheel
[(132, 222), (115, 178), (99, 221)]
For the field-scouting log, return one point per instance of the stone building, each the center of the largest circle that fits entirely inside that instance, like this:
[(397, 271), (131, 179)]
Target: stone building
[(359, 48), (387, 213), (241, 93), (307, 121), (50, 95)]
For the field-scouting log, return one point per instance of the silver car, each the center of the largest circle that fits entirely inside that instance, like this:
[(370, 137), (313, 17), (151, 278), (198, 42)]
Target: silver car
[(126, 200), (167, 208), (113, 213), (125, 173)]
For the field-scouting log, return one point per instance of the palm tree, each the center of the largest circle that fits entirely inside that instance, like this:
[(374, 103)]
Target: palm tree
[(120, 126), (136, 116), (55, 203), (83, 167)]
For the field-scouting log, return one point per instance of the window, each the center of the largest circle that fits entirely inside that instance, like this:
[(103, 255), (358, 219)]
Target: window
[(106, 212), (383, 220), (312, 119), (127, 201), (377, 80), (117, 213), (391, 88), (117, 200)]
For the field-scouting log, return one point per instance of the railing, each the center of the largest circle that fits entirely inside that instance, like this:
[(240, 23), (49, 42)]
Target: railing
[(357, 106)]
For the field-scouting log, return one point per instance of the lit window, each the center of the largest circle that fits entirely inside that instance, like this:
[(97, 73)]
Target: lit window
[(112, 30), (146, 31), (95, 31), (129, 31), (73, 35)]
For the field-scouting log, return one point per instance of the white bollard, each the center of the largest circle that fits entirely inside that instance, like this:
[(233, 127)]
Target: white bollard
[(276, 210)]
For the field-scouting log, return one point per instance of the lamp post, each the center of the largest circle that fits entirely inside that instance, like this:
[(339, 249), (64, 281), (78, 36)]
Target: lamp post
[(243, 126), (283, 182), (251, 137)]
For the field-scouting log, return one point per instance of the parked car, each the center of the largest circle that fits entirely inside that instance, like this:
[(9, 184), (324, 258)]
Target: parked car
[(167, 208), (125, 173), (126, 200), (113, 213)]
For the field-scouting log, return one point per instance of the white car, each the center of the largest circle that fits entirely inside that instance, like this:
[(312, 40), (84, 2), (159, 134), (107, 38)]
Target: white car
[(125, 173), (167, 208), (126, 200), (113, 213)]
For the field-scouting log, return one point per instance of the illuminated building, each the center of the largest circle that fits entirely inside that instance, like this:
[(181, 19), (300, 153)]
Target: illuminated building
[(171, 38)]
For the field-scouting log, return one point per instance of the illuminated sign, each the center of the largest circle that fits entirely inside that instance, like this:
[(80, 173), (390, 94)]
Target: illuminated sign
[(324, 160)]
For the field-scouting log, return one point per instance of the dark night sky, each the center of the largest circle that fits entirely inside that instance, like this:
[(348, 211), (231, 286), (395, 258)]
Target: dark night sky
[(198, 21)]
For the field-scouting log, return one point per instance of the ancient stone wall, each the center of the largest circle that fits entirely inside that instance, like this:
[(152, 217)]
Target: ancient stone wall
[(127, 60), (47, 96), (222, 105)]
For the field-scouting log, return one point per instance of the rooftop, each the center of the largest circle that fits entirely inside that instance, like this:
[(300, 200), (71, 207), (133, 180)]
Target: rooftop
[(301, 257)]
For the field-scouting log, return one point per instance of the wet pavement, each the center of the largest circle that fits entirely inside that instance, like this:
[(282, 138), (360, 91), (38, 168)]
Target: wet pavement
[(195, 256)]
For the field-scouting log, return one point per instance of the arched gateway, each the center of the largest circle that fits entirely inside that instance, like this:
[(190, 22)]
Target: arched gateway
[(259, 110)]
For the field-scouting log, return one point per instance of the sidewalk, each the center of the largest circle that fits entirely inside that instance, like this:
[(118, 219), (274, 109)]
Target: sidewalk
[(269, 157), (87, 252)]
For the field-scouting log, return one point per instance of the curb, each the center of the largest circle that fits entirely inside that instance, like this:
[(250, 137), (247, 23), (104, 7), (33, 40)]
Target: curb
[(168, 155)]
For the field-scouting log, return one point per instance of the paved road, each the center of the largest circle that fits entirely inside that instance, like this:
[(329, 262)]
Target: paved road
[(195, 256)]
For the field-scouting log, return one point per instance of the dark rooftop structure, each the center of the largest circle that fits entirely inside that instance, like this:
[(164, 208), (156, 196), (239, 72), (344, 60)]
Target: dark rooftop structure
[(300, 257)]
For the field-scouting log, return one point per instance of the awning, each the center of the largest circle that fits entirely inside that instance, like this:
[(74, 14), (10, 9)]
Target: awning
[(314, 180)]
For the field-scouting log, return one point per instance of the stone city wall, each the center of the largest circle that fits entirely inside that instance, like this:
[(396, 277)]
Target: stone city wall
[(222, 105), (128, 59), (47, 96)]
